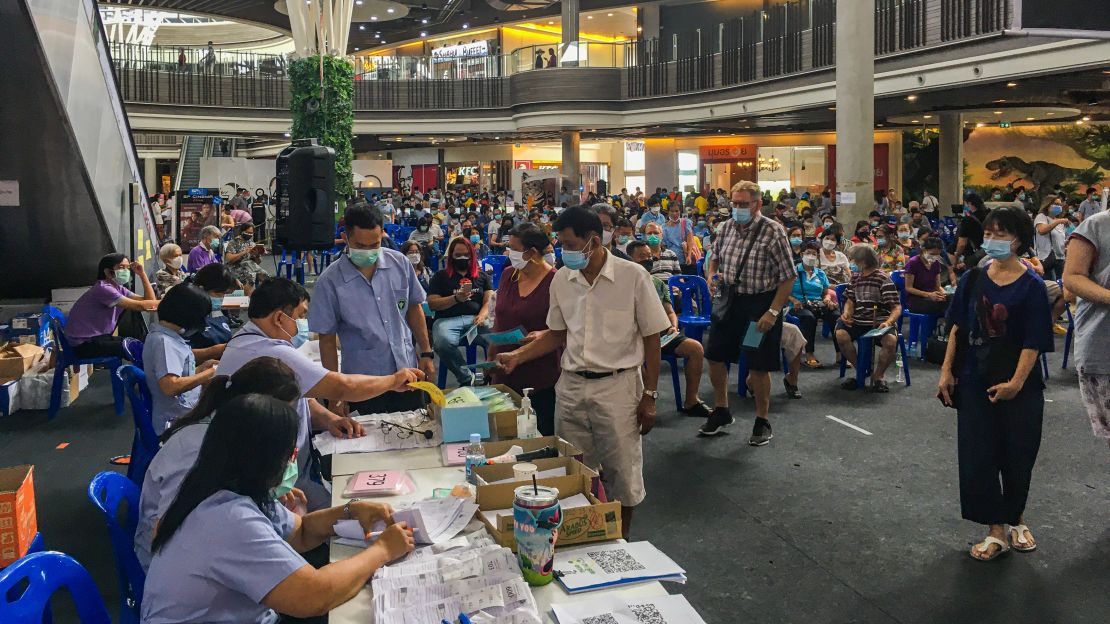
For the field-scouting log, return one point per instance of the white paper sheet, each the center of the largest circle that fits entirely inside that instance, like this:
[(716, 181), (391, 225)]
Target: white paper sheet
[(604, 565), (377, 440), (659, 610)]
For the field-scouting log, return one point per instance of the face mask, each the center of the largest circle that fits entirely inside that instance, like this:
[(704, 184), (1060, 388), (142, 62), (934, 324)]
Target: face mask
[(415, 258), (214, 244), (655, 210), (461, 265), (475, 239), (217, 303), (795, 241), (549, 258), (288, 480), (829, 244), (701, 224), (1056, 210), (174, 262), (497, 216), (122, 276), (1021, 196), (653, 240), (930, 258), (874, 224), (997, 248), (880, 242), (743, 216), (624, 239), (647, 264), (301, 336), (809, 260), (606, 237), (903, 235), (364, 257), (996, 196), (577, 260), (246, 235), (828, 224), (516, 259), (854, 268)]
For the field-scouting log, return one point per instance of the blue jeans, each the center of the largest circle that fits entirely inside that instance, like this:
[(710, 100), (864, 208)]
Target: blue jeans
[(447, 335)]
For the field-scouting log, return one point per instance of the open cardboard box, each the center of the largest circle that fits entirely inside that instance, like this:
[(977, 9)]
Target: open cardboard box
[(16, 359), (18, 523), (566, 449), (490, 473), (492, 425), (596, 523)]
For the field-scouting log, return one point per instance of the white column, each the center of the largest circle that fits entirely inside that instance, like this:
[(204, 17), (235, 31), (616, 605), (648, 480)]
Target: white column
[(951, 161), (855, 108), (572, 175), (570, 33)]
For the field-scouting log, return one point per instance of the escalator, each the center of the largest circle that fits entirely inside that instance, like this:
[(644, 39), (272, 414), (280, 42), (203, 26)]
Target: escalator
[(69, 169), (188, 164)]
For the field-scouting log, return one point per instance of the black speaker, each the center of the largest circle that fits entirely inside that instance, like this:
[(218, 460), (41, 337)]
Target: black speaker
[(305, 197), (602, 187)]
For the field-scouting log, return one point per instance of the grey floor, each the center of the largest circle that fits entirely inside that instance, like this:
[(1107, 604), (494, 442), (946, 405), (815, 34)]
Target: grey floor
[(825, 524)]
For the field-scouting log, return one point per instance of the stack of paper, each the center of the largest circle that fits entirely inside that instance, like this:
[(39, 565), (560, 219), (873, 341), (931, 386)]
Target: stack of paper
[(597, 567), (619, 610), (433, 521), (383, 435)]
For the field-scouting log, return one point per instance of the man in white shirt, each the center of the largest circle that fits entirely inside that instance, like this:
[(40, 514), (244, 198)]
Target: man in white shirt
[(1090, 206), (605, 313), (929, 205)]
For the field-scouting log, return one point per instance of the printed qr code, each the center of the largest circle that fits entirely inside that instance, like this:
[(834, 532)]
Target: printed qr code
[(647, 614), (615, 561), (606, 618)]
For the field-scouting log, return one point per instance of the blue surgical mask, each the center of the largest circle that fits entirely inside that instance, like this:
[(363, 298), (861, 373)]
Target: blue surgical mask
[(364, 257), (301, 336), (652, 239), (743, 216), (122, 276), (997, 248), (576, 260), (1056, 210), (475, 239), (854, 268), (795, 241), (288, 480), (217, 303)]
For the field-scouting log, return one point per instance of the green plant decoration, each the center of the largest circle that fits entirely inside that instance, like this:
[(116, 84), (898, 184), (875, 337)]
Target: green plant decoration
[(325, 114)]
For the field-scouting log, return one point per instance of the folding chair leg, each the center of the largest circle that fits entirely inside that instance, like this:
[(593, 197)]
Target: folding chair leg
[(117, 390), (864, 347), (676, 384)]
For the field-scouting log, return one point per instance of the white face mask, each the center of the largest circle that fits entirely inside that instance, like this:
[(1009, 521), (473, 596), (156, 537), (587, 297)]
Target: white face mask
[(549, 258), (606, 237), (655, 210), (809, 260), (516, 259), (415, 258), (174, 262), (829, 244), (931, 258)]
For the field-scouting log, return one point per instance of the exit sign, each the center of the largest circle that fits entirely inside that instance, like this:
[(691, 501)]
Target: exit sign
[(1003, 124)]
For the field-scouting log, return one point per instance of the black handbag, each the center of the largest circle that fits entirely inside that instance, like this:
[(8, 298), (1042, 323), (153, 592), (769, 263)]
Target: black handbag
[(722, 302), (937, 345)]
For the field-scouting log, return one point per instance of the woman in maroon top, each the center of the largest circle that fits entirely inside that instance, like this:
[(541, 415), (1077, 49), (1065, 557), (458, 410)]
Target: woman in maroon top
[(522, 301)]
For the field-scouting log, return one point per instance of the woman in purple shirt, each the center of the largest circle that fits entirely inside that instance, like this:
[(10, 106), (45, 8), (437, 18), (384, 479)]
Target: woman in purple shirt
[(924, 294), (94, 315)]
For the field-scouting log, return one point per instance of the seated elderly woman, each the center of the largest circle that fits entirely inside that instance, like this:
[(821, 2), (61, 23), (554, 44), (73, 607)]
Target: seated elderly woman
[(204, 253), (171, 274), (870, 302), (243, 256)]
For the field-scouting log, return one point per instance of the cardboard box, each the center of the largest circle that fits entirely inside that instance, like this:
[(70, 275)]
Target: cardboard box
[(29, 321), (595, 523), (9, 397), (16, 359), (459, 421), (18, 523), (496, 472), (503, 424), (566, 449)]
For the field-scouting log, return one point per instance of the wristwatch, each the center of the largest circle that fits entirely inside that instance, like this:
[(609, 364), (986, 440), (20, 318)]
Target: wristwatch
[(347, 508), (654, 394), (775, 313), (428, 354)]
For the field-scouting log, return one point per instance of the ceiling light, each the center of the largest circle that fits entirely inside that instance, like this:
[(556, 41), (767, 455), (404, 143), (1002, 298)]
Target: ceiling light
[(832, 108), (549, 22), (1087, 118), (608, 15), (879, 125), (362, 26), (1000, 101), (911, 98), (465, 26), (378, 36), (398, 138), (980, 125), (916, 121), (423, 34), (1050, 114), (997, 112), (927, 116), (589, 17), (389, 10), (639, 29), (496, 138), (424, 21), (373, 18), (1030, 119), (287, 135), (1011, 84), (1079, 123)]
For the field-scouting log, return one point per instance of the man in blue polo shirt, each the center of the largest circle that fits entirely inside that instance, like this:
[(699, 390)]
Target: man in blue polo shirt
[(371, 300)]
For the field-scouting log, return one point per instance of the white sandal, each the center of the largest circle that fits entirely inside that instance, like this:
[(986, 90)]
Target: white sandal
[(985, 545), (1021, 544)]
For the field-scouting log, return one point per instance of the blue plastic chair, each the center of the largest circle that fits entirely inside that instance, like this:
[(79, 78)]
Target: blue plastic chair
[(672, 359), (145, 444), (921, 325), (64, 358), (495, 265), (27, 585), (694, 301), (109, 491), (700, 264), (134, 348), (864, 348)]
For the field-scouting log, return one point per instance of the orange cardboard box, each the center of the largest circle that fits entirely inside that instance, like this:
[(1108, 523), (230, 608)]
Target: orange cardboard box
[(18, 524)]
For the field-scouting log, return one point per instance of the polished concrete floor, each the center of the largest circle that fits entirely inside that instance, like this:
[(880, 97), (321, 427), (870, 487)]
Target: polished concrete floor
[(824, 525)]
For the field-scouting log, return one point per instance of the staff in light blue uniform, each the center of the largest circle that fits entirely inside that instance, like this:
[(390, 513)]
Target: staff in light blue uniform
[(225, 551), (172, 374), (371, 301), (276, 328), (181, 442)]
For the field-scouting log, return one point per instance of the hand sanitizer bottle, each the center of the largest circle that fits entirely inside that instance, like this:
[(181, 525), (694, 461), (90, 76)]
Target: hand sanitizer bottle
[(526, 426)]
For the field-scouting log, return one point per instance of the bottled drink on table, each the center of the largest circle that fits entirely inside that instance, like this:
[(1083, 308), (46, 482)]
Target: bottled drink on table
[(475, 456)]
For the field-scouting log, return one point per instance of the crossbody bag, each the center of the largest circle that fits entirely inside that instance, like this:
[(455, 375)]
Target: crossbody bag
[(725, 296)]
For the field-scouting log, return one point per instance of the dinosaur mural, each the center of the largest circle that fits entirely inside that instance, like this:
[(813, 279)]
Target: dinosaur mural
[(1043, 176)]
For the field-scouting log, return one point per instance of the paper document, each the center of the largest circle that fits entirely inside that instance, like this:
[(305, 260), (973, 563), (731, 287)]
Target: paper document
[(668, 339), (619, 610), (434, 521), (606, 565), (878, 331), (455, 454), (471, 334), (513, 336), (753, 337), (382, 435), (235, 302)]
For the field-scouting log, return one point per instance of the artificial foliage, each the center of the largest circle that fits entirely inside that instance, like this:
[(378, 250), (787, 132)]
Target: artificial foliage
[(332, 121)]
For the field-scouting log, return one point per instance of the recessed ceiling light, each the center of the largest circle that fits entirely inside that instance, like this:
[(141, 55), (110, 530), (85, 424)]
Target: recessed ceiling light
[(362, 26), (549, 22), (358, 2), (1087, 118), (1030, 119), (398, 138), (639, 29), (373, 18), (465, 26), (608, 15), (1011, 84), (911, 98), (916, 121), (378, 36), (286, 135), (980, 125), (356, 49), (1079, 123), (389, 10), (496, 138), (424, 21), (927, 116), (879, 125), (997, 112), (423, 34), (589, 17)]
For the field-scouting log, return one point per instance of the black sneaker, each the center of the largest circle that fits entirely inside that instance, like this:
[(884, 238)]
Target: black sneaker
[(716, 423), (792, 391), (761, 433)]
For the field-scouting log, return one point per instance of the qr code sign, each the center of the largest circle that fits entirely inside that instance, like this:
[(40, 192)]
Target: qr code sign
[(647, 614), (615, 561), (606, 618)]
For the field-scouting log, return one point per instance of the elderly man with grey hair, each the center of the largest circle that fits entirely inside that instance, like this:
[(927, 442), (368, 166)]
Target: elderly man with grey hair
[(205, 251), (171, 273), (609, 217), (871, 301)]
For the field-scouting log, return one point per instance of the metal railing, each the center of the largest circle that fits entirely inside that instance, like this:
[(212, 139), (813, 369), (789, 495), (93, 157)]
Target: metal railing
[(788, 39)]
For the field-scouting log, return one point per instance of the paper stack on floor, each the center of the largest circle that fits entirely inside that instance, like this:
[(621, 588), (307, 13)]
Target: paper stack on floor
[(609, 565), (619, 610), (433, 521), (470, 575)]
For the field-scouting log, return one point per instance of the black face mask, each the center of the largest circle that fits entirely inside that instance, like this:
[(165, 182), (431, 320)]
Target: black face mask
[(648, 264), (190, 332), (461, 264), (246, 235)]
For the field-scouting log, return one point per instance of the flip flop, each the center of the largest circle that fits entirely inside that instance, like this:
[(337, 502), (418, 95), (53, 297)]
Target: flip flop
[(985, 545), (1021, 544)]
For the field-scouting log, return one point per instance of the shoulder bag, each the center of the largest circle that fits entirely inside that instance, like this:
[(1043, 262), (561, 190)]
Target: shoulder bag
[(725, 296)]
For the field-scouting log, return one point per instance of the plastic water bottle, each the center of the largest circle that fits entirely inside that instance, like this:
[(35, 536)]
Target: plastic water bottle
[(901, 378), (475, 456)]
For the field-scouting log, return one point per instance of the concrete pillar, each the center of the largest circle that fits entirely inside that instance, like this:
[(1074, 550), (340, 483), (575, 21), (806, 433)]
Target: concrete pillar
[(647, 21), (570, 37), (951, 161), (572, 175), (150, 176), (855, 108)]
